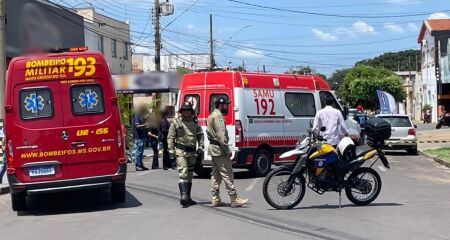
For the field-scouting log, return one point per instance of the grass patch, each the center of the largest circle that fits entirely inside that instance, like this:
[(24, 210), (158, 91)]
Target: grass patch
[(442, 153)]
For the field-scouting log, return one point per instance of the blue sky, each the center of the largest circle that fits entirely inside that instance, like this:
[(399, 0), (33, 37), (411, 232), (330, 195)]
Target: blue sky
[(326, 35)]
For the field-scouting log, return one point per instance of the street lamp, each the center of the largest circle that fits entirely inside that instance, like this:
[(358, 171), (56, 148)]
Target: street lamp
[(238, 31)]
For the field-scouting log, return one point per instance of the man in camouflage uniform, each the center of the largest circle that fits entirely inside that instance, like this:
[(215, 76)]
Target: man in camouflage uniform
[(221, 154), (185, 141)]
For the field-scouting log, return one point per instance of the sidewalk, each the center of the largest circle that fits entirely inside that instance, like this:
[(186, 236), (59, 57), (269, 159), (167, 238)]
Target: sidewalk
[(432, 139), (436, 138), (4, 186)]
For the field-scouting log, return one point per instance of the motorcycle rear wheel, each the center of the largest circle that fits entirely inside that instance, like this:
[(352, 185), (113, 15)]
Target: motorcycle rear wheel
[(367, 183), (272, 189)]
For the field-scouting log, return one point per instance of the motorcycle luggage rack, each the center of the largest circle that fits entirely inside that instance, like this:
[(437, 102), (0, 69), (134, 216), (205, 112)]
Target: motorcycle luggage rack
[(317, 190)]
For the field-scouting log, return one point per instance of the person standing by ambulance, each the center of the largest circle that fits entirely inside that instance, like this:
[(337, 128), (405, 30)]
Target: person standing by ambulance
[(140, 136), (333, 121), (221, 156), (185, 142)]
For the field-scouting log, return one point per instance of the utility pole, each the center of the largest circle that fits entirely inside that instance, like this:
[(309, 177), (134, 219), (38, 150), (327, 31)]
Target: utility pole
[(264, 68), (2, 55), (211, 44), (156, 15), (243, 65)]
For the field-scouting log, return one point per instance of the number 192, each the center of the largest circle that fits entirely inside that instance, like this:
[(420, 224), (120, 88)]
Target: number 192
[(263, 104)]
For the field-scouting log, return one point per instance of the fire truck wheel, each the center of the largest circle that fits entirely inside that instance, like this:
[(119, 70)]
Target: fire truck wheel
[(262, 162), (19, 201), (118, 192)]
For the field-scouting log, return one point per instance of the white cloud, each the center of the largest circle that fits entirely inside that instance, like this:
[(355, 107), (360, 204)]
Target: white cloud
[(362, 27), (190, 26), (438, 15), (249, 53), (413, 27), (324, 36), (357, 28), (403, 2), (395, 28)]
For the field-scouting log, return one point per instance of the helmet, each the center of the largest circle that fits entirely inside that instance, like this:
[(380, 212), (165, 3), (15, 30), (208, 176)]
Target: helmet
[(221, 100), (187, 106)]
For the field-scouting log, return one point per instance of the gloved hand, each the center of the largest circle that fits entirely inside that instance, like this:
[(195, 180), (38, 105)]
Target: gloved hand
[(199, 161), (172, 155), (199, 152)]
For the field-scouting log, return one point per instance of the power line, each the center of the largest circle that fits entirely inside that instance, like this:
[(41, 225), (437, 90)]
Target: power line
[(145, 27), (179, 15), (334, 15), (310, 53), (283, 58)]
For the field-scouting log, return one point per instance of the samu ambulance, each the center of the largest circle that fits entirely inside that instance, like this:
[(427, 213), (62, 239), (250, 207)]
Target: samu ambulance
[(62, 126), (268, 112)]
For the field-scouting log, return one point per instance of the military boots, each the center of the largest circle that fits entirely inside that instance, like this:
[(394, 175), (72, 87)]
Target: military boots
[(236, 201), (183, 194)]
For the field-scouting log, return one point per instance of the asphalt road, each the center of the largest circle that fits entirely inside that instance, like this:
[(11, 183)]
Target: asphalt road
[(414, 204)]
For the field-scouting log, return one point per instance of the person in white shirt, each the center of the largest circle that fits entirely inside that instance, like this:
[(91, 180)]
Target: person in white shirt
[(332, 120)]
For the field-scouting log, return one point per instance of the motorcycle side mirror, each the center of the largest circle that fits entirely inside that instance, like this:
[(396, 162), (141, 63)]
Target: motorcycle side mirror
[(323, 129), (415, 126), (311, 123)]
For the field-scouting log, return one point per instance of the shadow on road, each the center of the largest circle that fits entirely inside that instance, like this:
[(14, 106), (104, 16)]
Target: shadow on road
[(238, 174), (396, 153), (75, 202), (348, 206)]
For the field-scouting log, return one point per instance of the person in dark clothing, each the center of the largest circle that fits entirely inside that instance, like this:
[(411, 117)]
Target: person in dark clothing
[(163, 132), (140, 136), (153, 140), (361, 118)]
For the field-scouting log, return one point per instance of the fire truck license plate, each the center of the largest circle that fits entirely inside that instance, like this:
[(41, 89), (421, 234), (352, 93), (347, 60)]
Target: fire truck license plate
[(41, 171)]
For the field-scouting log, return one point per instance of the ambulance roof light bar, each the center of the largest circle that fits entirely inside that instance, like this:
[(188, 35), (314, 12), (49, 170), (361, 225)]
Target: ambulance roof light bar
[(72, 49)]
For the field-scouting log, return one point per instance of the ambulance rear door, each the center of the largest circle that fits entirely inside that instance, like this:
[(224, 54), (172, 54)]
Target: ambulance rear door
[(37, 130), (90, 119)]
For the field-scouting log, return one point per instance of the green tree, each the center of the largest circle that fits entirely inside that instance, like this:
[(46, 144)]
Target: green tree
[(301, 70), (337, 78), (361, 83), (240, 69), (182, 70), (395, 61)]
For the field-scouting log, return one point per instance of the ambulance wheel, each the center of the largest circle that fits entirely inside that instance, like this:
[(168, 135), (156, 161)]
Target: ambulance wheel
[(262, 163), (19, 201), (118, 192)]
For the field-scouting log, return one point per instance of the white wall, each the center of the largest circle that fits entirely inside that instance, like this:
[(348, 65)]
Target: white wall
[(429, 73), (171, 62), (113, 29)]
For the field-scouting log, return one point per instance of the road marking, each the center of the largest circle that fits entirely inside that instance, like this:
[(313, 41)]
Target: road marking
[(140, 174), (252, 184), (382, 168), (396, 161)]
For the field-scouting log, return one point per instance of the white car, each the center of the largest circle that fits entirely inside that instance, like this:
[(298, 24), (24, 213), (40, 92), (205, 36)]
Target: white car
[(403, 135)]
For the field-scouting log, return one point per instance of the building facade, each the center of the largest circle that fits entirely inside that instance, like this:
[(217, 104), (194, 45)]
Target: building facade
[(409, 79), (435, 68), (109, 36), (170, 63)]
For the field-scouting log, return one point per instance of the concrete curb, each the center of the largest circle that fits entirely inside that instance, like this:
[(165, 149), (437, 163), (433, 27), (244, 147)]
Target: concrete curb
[(436, 159)]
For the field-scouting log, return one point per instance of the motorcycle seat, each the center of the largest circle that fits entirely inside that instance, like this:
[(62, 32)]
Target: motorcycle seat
[(361, 150)]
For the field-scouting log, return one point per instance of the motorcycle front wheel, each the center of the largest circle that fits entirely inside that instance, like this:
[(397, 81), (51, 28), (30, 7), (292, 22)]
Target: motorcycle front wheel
[(364, 186), (274, 189)]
